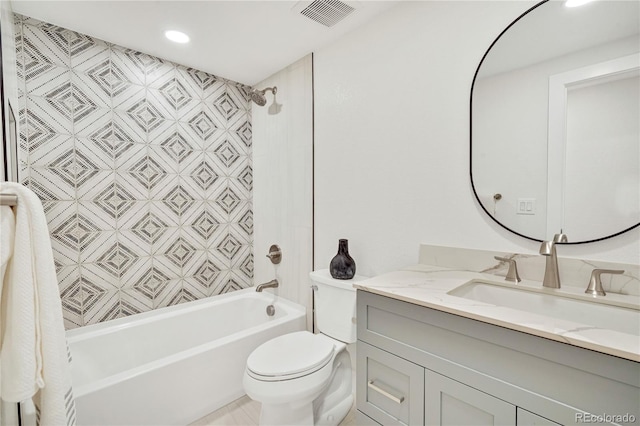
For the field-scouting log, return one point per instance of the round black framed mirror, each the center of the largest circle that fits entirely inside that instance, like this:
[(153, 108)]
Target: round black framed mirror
[(554, 110)]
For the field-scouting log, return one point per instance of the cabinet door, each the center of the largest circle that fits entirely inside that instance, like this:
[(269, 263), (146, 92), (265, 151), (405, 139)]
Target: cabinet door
[(390, 389), (364, 420), (448, 402), (527, 418)]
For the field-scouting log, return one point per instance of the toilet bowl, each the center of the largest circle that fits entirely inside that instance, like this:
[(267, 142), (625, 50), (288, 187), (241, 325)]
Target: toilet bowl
[(288, 373), (303, 378)]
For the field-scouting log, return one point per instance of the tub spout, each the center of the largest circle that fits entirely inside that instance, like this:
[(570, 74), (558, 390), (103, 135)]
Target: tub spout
[(270, 284)]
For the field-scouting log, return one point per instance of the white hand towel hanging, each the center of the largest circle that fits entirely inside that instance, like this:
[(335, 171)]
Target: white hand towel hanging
[(34, 357)]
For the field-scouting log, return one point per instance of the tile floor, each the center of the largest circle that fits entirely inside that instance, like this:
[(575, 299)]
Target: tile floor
[(243, 411), (246, 412)]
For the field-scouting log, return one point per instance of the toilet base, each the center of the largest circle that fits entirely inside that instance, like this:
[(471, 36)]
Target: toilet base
[(286, 414), (336, 414)]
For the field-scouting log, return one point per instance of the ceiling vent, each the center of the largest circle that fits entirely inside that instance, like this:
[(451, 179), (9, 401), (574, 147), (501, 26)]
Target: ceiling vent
[(325, 12)]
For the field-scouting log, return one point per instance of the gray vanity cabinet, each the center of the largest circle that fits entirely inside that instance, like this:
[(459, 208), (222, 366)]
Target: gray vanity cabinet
[(399, 392), (417, 365), (451, 403), (393, 388), (525, 418)]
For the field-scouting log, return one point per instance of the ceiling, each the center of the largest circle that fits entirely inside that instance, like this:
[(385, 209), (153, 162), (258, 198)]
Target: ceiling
[(553, 30), (244, 41)]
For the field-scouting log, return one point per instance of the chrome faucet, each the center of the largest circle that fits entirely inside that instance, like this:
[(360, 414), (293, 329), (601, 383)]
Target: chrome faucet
[(551, 274), (270, 284)]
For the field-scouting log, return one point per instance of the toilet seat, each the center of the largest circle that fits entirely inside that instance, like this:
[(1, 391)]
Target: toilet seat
[(290, 356)]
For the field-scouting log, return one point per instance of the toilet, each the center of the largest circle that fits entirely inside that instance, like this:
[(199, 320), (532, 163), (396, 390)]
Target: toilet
[(303, 378)]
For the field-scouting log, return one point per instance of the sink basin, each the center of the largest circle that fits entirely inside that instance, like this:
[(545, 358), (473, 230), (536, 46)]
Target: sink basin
[(579, 309)]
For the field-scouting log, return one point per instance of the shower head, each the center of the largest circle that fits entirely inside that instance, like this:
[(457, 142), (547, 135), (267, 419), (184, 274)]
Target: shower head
[(258, 97)]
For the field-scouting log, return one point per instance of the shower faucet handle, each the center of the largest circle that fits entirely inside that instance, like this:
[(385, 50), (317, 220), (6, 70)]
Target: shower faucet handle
[(512, 273), (275, 254)]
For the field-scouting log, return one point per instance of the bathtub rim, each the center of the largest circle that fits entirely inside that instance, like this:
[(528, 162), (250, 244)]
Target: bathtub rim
[(111, 326)]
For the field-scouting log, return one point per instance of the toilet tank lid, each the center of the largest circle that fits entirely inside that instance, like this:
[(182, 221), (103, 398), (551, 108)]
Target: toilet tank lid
[(323, 276)]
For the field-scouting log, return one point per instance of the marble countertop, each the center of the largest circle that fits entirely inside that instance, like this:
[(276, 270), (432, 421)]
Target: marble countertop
[(428, 286)]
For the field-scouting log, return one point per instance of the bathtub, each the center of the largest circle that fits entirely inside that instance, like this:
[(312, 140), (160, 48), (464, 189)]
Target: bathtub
[(173, 365)]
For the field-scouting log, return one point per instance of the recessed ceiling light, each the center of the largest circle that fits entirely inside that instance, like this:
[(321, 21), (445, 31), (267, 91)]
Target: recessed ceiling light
[(576, 3), (177, 36)]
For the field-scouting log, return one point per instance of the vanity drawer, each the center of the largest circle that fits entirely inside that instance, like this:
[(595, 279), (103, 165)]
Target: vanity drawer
[(390, 389)]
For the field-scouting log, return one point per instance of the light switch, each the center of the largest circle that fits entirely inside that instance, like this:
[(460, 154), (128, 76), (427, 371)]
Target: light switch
[(526, 206)]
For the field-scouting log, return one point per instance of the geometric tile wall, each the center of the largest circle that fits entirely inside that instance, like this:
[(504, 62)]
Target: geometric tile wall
[(144, 170)]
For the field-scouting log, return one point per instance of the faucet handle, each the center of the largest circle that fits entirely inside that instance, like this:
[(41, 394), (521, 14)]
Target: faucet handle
[(560, 238), (512, 273), (595, 283), (275, 254)]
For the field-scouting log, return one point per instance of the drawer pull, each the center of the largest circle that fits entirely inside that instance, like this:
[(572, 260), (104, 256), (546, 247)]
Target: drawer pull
[(396, 399)]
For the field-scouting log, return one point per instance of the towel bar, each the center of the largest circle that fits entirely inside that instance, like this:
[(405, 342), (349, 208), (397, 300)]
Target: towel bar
[(8, 200)]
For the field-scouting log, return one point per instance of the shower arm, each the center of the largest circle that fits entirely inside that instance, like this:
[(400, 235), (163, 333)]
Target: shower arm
[(273, 90)]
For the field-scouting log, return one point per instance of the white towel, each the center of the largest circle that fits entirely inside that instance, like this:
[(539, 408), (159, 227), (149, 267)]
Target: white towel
[(34, 357)]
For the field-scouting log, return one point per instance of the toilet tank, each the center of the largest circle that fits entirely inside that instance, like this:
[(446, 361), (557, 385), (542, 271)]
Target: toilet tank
[(335, 305)]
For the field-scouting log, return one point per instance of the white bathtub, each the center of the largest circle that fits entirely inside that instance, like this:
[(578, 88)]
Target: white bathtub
[(173, 365)]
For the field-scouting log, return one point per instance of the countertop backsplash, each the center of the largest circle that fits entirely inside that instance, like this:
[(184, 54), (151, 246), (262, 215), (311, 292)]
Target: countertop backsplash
[(573, 272)]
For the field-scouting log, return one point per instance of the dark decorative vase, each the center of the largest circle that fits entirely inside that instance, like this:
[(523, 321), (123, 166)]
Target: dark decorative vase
[(342, 266)]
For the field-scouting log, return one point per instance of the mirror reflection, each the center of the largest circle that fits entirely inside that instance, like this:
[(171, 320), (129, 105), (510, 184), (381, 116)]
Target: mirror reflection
[(555, 113)]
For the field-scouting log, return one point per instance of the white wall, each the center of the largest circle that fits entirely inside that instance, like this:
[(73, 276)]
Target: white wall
[(282, 182), (392, 139), (10, 83)]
